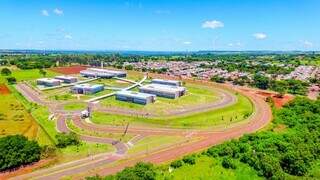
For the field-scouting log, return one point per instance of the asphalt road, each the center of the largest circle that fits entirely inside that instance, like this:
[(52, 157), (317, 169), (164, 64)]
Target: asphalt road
[(258, 120)]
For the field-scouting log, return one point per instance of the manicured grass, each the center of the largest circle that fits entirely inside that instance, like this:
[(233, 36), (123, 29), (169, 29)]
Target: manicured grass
[(223, 116), (75, 106), (209, 168), (83, 150), (49, 126), (152, 142), (118, 136), (196, 95), (30, 74)]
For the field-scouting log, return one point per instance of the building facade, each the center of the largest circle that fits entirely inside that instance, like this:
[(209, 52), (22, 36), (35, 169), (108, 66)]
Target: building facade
[(49, 82), (163, 90), (87, 88), (166, 82), (135, 97), (67, 79), (102, 73)]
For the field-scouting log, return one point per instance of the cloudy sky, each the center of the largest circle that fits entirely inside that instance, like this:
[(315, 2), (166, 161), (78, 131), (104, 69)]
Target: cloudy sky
[(163, 25)]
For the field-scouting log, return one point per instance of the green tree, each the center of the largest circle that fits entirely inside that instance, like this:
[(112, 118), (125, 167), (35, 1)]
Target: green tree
[(5, 72), (17, 150), (42, 72)]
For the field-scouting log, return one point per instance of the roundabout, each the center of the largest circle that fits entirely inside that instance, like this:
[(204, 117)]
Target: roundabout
[(194, 125)]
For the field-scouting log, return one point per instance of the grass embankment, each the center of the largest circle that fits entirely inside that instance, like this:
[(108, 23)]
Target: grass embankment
[(196, 95), (150, 143), (224, 116)]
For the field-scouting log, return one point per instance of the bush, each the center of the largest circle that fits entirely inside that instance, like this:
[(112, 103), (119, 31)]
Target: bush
[(228, 163), (17, 150), (11, 80), (176, 164), (189, 160), (141, 171), (5, 72), (65, 140)]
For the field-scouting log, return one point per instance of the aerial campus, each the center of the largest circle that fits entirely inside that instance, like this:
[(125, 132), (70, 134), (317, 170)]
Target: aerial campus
[(162, 103)]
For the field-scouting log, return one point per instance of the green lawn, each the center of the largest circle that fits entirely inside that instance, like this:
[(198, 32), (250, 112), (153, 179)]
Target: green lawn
[(223, 116), (196, 95), (31, 74), (75, 106), (152, 142), (83, 150), (118, 136), (209, 168)]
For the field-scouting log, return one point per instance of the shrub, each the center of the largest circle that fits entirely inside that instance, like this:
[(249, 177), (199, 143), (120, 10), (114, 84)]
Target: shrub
[(228, 163), (189, 160), (176, 164), (65, 140)]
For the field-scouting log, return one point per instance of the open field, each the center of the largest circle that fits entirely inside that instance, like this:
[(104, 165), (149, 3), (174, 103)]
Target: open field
[(24, 75), (209, 168), (227, 115), (68, 70), (196, 95), (15, 119)]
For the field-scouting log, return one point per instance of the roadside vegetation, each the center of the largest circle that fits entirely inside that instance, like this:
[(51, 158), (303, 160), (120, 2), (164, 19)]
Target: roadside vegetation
[(278, 153)]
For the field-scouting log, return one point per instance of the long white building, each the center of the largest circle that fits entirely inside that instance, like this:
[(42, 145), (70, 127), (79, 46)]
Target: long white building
[(163, 90), (103, 73)]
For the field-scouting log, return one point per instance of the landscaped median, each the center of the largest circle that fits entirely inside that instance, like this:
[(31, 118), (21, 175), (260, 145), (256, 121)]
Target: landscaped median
[(237, 112)]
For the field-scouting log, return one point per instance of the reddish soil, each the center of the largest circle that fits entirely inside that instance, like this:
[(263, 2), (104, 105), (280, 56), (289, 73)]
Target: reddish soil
[(278, 101), (4, 89), (69, 70), (25, 169)]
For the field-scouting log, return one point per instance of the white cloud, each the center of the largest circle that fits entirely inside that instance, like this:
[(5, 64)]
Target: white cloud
[(187, 43), (260, 36), (58, 12), (67, 36), (307, 44), (44, 12), (212, 24)]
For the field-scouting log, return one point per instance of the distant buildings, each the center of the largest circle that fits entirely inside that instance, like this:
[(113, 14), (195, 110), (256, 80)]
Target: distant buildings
[(87, 88), (67, 79), (135, 97), (49, 82), (163, 90), (102, 73)]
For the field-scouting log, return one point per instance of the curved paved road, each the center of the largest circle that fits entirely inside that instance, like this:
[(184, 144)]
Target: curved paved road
[(120, 146), (260, 119)]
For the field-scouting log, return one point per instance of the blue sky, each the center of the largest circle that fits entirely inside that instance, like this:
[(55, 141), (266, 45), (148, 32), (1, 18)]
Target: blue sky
[(166, 25)]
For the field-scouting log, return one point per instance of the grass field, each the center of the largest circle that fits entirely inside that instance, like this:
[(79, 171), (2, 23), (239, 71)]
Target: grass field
[(83, 150), (196, 95), (15, 119), (224, 116), (75, 106), (118, 136), (152, 142), (209, 168), (31, 74)]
